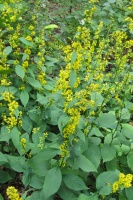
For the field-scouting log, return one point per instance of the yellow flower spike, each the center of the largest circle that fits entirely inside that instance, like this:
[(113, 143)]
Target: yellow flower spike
[(13, 193), (115, 187)]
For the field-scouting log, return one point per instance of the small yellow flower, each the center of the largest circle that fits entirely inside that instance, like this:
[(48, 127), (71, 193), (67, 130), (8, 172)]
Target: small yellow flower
[(13, 193)]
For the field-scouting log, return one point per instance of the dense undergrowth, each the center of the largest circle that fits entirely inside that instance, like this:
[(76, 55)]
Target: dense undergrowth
[(66, 106)]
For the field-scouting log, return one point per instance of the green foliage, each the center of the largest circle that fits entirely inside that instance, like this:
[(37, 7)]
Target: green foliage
[(66, 99)]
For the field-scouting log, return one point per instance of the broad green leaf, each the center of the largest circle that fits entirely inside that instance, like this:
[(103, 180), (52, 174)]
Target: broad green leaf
[(93, 154), (4, 135), (23, 40), (24, 97), (108, 152), (34, 83), (80, 134), (36, 182), (98, 98), (27, 124), (51, 26), (85, 197), (111, 165), (52, 182), (111, 1), (26, 177), (24, 57), (20, 71), (34, 117), (15, 137), (127, 130), (105, 178), (107, 120), (62, 122), (43, 100), (39, 162), (65, 193), (74, 182), (72, 78), (129, 193), (49, 87), (53, 60), (1, 6), (83, 163), (95, 131), (74, 56), (1, 197), (106, 190), (130, 160), (108, 138), (4, 176), (55, 115), (125, 114), (39, 165), (3, 159), (17, 163), (7, 50)]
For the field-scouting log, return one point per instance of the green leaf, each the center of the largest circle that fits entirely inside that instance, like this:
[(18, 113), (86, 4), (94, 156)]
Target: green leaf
[(39, 165), (27, 124), (125, 114), (65, 193), (62, 122), (107, 120), (24, 41), (53, 60), (39, 162), (36, 182), (4, 176), (72, 78), (74, 182), (130, 160), (17, 163), (105, 178), (111, 1), (106, 190), (1, 197), (85, 197), (4, 135), (129, 193), (1, 6), (20, 71), (15, 137), (95, 131), (93, 154), (43, 100), (26, 177), (74, 56), (108, 152), (3, 159), (7, 50), (127, 130), (34, 117), (52, 182), (85, 164), (51, 26), (34, 83), (24, 97), (108, 138)]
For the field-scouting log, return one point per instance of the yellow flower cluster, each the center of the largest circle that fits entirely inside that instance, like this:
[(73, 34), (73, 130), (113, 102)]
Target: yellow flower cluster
[(5, 82), (124, 180), (98, 64), (23, 142), (13, 193), (11, 120)]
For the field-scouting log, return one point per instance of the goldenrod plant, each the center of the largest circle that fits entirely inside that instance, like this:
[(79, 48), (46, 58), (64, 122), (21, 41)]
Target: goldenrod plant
[(66, 105)]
